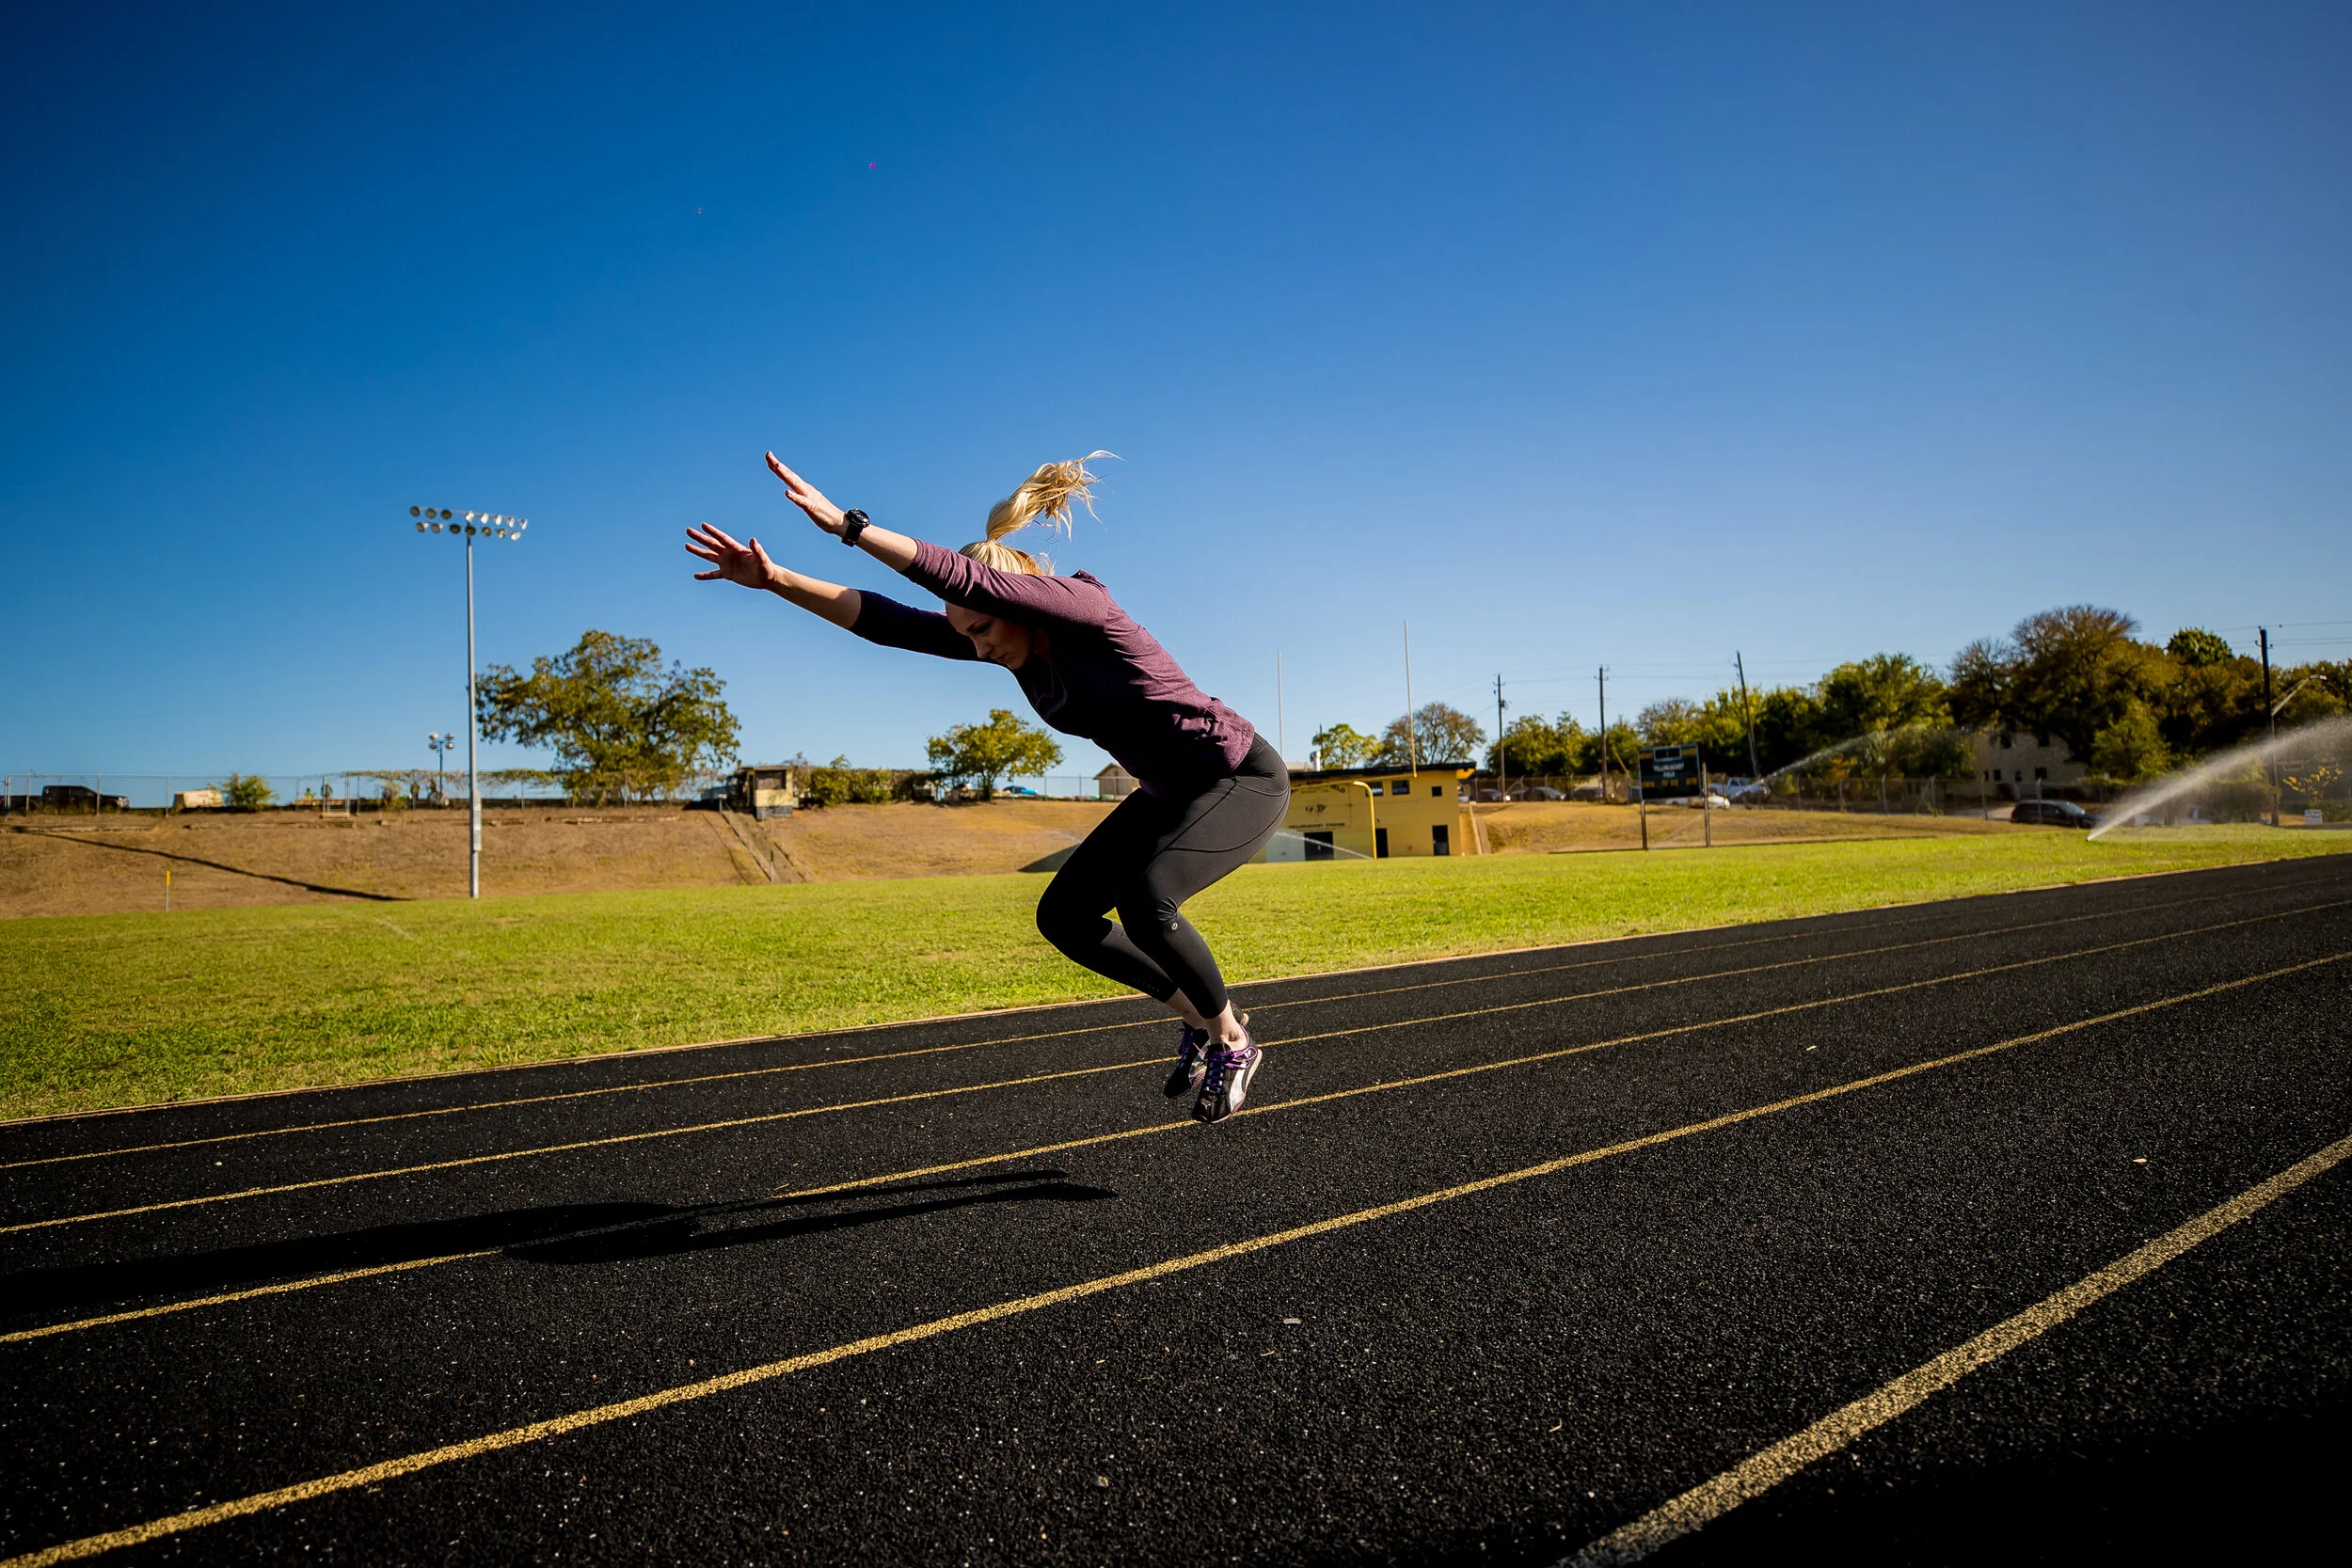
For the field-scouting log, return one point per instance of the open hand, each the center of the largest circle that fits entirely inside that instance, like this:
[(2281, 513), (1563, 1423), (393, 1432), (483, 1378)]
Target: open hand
[(746, 563), (807, 497)]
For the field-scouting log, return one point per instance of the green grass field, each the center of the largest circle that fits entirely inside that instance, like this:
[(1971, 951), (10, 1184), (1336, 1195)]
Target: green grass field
[(127, 1009)]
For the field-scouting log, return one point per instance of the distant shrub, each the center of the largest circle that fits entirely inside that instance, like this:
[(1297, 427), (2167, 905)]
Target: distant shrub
[(245, 792), (838, 784)]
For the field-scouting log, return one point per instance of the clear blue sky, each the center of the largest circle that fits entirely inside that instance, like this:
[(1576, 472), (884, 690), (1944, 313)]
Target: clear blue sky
[(1573, 334)]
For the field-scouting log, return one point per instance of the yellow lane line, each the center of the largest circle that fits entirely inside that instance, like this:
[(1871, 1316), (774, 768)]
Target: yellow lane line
[(1477, 1068), (583, 1143), (1093, 1029), (1094, 1141), (1150, 1061), (1753, 1477), (537, 1432), (43, 1332), (1910, 984)]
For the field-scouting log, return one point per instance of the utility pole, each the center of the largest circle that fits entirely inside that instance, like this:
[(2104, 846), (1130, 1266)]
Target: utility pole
[(2270, 719), (1602, 674), (1281, 743), (1412, 742), (1747, 711), (1502, 757)]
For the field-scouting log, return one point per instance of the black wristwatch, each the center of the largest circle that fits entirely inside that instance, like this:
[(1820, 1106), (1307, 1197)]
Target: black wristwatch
[(853, 524)]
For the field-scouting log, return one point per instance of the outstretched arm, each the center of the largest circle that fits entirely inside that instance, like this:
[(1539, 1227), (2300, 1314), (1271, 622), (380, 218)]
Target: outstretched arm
[(894, 550), (748, 564)]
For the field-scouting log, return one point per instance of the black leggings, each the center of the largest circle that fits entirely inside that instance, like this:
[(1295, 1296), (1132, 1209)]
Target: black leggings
[(1148, 856)]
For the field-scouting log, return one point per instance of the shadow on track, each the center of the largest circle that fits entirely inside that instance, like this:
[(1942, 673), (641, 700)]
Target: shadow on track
[(564, 1234)]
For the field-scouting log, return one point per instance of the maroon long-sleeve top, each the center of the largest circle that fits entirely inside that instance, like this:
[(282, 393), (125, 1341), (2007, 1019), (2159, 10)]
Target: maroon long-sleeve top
[(1094, 673)]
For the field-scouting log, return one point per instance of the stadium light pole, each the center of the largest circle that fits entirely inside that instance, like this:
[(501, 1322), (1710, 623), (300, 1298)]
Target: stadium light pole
[(465, 524)]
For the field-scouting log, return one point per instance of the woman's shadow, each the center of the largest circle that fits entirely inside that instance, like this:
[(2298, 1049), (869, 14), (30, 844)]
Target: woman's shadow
[(567, 1234)]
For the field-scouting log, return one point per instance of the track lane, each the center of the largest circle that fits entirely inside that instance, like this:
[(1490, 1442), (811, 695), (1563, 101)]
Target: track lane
[(22, 1144), (67, 1189), (1491, 1184), (260, 1266)]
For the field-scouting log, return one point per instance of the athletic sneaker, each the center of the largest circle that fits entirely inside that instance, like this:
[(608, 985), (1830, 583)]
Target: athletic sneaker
[(1224, 1086), (1192, 1060)]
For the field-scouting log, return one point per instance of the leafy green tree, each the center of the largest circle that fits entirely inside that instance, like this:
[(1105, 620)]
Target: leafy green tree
[(2197, 649), (1004, 747), (1789, 726), (1532, 745), (1439, 733), (619, 724), (1671, 721), (2130, 749), (1343, 746), (1885, 691), (2063, 674), (245, 792)]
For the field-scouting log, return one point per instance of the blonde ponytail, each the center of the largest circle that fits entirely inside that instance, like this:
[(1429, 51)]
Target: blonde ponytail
[(1046, 497)]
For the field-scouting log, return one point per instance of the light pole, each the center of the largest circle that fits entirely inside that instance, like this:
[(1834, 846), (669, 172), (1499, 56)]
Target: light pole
[(467, 524), (439, 746)]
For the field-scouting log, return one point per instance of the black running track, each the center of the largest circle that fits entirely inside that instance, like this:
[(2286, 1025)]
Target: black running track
[(406, 1280)]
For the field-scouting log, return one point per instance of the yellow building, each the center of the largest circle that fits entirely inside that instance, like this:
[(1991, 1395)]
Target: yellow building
[(1374, 813)]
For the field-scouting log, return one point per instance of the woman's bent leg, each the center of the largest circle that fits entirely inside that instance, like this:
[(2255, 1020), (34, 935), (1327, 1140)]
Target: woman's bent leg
[(1071, 914), (1222, 829)]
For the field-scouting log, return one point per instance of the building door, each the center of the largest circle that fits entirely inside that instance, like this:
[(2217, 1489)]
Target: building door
[(1319, 846), (1380, 843), (1439, 840)]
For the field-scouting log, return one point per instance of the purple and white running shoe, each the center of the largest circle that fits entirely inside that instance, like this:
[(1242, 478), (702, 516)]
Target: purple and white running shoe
[(1192, 1060), (1225, 1086)]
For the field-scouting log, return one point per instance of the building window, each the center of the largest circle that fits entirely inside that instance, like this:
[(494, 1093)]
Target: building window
[(2004, 743), (2040, 773), (1997, 775), (1436, 792), (1400, 786)]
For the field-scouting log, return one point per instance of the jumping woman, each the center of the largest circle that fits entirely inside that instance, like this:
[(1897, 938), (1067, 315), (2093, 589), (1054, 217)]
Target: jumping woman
[(1211, 790)]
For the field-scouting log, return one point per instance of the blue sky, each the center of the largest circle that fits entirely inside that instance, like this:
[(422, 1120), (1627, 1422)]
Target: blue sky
[(1572, 334)]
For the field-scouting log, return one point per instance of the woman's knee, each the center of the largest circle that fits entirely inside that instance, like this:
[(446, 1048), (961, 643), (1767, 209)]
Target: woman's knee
[(1142, 906), (1065, 922)]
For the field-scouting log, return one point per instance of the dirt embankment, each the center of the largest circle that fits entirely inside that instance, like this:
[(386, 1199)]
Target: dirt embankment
[(116, 863), (112, 865)]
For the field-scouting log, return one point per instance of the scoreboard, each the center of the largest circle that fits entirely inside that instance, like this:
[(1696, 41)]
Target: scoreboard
[(1670, 772)]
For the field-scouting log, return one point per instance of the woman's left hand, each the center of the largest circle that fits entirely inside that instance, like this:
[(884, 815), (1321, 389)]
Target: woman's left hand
[(807, 497), (745, 563)]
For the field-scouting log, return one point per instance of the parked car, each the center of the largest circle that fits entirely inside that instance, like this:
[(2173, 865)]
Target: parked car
[(1748, 794), (2053, 813), (1539, 792), (1486, 795)]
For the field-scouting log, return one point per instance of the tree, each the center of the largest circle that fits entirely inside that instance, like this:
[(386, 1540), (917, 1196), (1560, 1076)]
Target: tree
[(1885, 691), (1439, 733), (1343, 746), (245, 792), (619, 724), (2063, 674), (2130, 749), (1532, 745), (2197, 649), (982, 753)]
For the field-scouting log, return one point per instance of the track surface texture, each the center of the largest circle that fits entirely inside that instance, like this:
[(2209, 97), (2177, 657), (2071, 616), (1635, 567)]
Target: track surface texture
[(1509, 1253)]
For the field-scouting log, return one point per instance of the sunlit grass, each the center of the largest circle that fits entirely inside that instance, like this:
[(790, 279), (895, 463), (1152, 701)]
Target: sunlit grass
[(122, 1010)]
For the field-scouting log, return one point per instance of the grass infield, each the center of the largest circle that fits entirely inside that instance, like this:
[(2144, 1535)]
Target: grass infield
[(110, 1010)]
